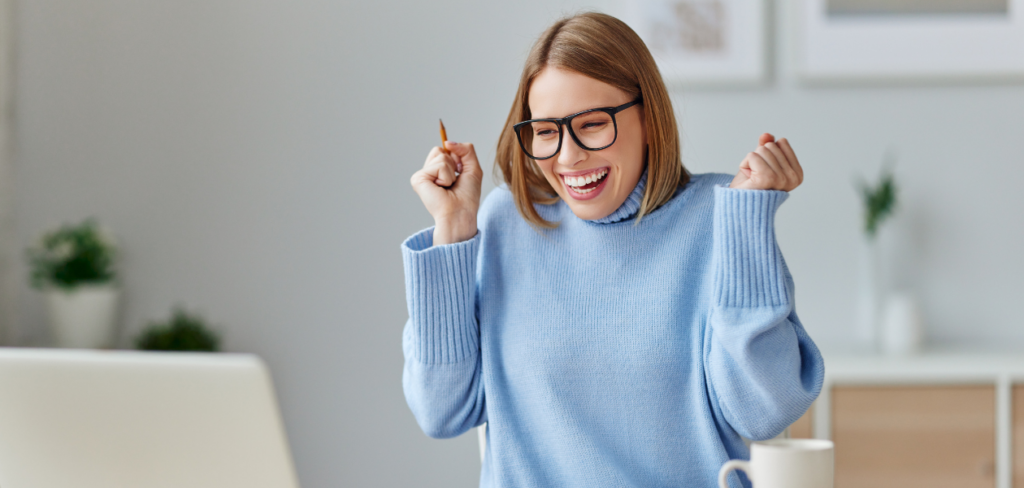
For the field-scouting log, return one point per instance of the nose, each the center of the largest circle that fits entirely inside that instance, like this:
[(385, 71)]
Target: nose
[(571, 153)]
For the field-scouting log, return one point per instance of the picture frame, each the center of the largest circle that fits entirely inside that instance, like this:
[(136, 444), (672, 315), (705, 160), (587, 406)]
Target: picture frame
[(909, 40), (704, 43)]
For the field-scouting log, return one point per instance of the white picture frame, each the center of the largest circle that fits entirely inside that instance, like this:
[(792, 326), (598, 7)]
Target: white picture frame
[(901, 47), (704, 43)]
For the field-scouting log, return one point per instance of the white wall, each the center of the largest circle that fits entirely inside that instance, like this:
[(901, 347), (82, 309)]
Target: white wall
[(8, 240), (253, 158)]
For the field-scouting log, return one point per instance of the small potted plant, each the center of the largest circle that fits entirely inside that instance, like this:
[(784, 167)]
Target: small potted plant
[(74, 267), (879, 203), (183, 332)]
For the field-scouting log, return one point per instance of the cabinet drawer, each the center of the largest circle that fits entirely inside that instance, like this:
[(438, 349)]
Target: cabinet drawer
[(1018, 436), (914, 436), (803, 428)]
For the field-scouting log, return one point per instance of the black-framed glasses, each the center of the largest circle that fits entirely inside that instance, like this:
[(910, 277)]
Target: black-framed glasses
[(593, 130)]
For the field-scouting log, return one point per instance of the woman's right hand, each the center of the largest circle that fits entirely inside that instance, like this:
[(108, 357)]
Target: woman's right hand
[(452, 200)]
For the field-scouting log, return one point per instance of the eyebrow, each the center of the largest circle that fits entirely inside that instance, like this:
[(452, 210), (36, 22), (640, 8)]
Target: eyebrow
[(533, 115)]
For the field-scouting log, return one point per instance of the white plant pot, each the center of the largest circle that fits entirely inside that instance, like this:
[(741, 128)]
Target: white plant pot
[(869, 293), (84, 316), (902, 327)]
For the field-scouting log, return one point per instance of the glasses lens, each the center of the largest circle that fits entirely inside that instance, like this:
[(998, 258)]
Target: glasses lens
[(595, 130), (540, 139)]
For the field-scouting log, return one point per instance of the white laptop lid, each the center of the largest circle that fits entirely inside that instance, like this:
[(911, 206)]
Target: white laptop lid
[(109, 419)]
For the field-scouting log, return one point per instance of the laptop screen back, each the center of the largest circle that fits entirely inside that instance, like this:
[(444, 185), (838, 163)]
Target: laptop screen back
[(102, 419)]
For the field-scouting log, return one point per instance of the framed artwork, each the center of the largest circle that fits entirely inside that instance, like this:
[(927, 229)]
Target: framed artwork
[(850, 40), (703, 42)]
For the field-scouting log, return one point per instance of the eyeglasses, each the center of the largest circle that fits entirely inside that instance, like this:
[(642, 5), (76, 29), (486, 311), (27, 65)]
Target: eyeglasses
[(593, 130)]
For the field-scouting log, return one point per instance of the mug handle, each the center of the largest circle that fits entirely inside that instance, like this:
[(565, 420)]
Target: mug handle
[(723, 473)]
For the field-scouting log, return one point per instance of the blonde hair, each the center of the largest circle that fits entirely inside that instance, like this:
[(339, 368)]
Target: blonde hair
[(606, 49)]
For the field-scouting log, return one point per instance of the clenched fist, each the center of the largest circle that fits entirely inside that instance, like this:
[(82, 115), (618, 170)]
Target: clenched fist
[(772, 166), (449, 186)]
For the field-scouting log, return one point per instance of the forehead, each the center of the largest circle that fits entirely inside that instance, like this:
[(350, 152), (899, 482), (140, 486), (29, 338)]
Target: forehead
[(557, 92)]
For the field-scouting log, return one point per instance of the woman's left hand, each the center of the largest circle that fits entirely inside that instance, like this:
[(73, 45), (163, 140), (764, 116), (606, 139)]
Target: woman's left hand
[(772, 166)]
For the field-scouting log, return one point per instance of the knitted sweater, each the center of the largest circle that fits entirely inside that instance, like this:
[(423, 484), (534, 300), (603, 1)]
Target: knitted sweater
[(609, 354)]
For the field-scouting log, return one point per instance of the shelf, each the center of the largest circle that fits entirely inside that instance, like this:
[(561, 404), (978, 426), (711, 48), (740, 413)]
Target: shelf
[(998, 375)]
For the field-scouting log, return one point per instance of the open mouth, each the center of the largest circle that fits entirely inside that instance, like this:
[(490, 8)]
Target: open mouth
[(587, 183)]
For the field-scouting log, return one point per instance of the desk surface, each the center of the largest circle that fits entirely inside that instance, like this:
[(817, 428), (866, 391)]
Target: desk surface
[(929, 366)]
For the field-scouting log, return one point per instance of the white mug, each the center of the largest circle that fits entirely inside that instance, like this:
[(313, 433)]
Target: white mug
[(785, 463)]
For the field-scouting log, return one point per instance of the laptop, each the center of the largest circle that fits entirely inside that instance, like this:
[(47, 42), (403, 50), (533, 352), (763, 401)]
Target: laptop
[(111, 419)]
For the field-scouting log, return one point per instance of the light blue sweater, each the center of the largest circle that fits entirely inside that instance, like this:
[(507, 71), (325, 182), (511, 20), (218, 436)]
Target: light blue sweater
[(608, 354)]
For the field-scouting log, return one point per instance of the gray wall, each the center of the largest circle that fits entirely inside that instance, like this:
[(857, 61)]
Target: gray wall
[(253, 159)]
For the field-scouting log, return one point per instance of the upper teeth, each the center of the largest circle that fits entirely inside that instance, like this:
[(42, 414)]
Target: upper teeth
[(578, 181)]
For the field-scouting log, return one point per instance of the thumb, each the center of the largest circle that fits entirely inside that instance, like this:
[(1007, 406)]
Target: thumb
[(765, 139), (467, 154), (745, 167)]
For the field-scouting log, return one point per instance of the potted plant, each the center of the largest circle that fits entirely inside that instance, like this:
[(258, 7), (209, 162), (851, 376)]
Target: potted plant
[(879, 202), (183, 332), (74, 267)]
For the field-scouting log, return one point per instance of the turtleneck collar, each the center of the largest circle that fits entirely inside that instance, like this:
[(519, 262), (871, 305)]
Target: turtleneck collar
[(628, 208)]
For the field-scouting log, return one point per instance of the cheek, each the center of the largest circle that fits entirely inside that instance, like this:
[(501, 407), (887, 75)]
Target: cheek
[(545, 168), (631, 152), (637, 139)]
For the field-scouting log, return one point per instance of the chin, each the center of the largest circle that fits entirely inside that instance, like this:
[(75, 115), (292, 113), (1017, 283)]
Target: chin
[(590, 212)]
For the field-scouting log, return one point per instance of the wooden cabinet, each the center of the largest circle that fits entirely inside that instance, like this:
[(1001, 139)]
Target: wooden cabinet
[(934, 420), (906, 436), (1018, 436), (803, 428)]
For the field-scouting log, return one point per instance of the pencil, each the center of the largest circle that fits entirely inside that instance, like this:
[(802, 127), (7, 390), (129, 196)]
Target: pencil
[(444, 136)]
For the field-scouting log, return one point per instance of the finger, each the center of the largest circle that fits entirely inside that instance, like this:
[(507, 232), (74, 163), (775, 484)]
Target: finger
[(761, 171), (742, 176), (745, 167), (442, 169), (765, 139), (786, 148), (441, 158), (792, 178), (418, 178), (458, 162), (423, 183), (445, 177), (467, 156), (779, 177), (433, 166), (434, 152)]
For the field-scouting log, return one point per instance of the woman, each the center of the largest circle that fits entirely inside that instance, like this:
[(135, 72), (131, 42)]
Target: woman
[(614, 320)]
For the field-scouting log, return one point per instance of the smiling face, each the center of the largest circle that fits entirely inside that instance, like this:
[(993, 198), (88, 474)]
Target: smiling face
[(593, 183)]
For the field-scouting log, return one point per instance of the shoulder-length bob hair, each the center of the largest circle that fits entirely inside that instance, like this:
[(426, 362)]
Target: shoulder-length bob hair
[(605, 49)]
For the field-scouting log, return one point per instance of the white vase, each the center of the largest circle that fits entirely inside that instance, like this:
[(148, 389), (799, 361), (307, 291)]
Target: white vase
[(902, 330), (868, 295), (84, 316)]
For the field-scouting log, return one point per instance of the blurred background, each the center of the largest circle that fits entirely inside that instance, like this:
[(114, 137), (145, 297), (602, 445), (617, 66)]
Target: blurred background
[(252, 159)]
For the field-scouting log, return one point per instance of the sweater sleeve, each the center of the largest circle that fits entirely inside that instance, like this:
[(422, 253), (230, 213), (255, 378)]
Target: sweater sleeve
[(763, 369), (441, 340)]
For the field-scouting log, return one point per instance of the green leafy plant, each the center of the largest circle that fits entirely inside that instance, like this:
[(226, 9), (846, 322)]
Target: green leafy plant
[(183, 332), (72, 255), (879, 200)]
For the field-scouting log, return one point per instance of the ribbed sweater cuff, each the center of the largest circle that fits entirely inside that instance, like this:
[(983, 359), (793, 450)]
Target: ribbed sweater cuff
[(750, 271), (440, 287)]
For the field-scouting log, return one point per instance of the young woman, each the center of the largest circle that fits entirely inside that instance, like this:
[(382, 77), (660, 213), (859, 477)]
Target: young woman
[(615, 320)]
